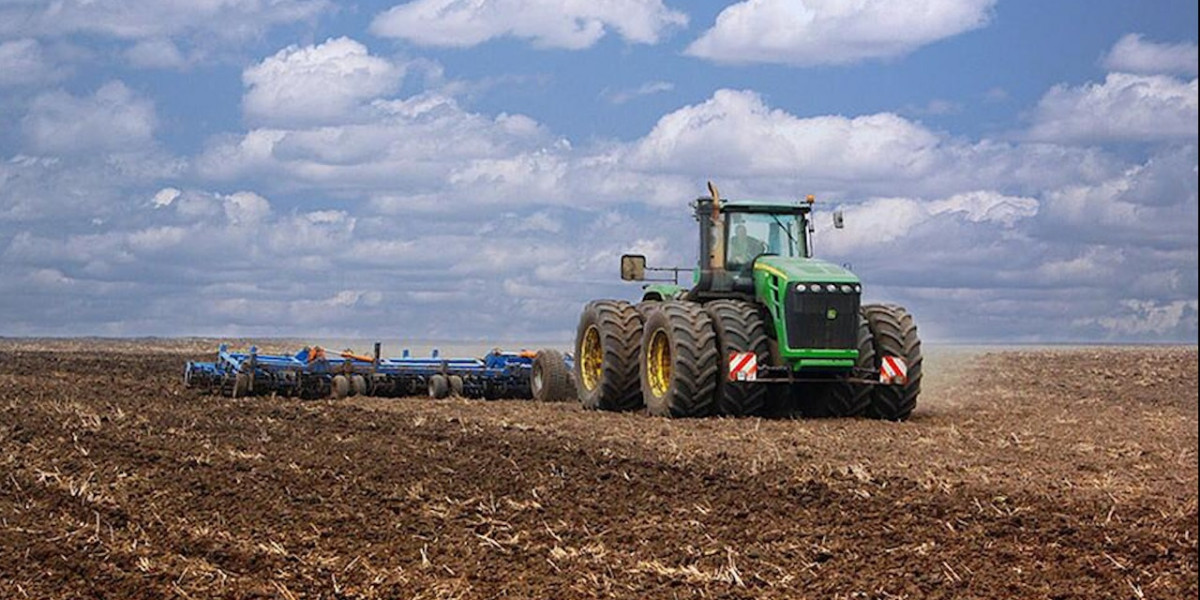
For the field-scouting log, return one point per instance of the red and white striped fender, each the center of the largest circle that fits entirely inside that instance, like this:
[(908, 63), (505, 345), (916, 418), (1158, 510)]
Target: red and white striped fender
[(893, 369), (743, 366)]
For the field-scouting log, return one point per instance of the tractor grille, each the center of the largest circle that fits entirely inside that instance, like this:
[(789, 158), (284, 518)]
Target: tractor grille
[(808, 317)]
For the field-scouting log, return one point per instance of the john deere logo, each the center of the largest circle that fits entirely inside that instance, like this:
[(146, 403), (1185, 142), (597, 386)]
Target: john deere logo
[(831, 314)]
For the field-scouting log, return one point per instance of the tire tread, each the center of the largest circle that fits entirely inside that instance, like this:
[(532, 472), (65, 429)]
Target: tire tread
[(895, 334), (692, 392), (739, 327), (620, 328)]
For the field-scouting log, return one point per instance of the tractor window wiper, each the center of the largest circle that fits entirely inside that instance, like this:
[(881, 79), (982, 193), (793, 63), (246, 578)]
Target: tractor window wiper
[(787, 230)]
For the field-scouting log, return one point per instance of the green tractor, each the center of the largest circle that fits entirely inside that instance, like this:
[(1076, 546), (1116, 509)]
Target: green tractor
[(766, 329)]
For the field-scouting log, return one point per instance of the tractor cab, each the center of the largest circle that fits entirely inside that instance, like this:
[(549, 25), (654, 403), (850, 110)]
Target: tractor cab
[(751, 234), (737, 235)]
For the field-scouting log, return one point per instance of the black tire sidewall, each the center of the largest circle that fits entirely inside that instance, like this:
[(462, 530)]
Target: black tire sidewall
[(734, 398), (550, 368), (659, 406), (617, 386), (691, 341), (894, 402)]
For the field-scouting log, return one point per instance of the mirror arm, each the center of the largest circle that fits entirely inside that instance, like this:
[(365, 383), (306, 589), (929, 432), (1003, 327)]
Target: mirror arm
[(675, 271)]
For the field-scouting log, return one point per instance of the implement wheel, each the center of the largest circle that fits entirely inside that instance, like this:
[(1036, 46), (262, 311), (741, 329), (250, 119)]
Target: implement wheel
[(606, 351), (895, 334), (739, 328), (358, 385), (679, 361), (549, 378), (456, 385), (241, 385), (340, 387), (439, 387)]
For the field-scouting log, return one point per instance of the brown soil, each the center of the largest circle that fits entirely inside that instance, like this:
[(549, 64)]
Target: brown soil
[(1024, 474)]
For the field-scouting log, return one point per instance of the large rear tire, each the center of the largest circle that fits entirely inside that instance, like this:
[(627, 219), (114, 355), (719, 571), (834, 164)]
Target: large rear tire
[(679, 361), (549, 378), (739, 328), (645, 307), (606, 356), (895, 334)]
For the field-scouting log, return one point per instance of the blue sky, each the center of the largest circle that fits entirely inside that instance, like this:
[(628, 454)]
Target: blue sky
[(472, 169)]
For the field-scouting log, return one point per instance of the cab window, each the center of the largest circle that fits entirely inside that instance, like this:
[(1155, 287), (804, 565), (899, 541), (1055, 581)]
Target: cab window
[(749, 235)]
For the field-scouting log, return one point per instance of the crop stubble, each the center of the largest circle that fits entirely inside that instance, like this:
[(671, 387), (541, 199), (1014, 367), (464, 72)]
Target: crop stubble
[(1024, 474)]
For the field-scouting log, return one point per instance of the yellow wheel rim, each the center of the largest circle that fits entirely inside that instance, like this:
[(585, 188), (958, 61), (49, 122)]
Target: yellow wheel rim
[(591, 358), (658, 364)]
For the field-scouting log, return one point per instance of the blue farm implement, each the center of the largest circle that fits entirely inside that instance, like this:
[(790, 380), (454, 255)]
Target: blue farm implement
[(315, 373)]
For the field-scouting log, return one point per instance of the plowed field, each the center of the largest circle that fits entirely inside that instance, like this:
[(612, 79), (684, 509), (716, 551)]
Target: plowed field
[(1067, 473)]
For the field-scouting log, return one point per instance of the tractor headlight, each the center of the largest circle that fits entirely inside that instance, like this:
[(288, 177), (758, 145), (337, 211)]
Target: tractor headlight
[(846, 289), (857, 289), (831, 288)]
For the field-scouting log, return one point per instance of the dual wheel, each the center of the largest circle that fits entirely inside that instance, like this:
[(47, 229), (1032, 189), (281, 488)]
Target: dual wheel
[(343, 386), (893, 333), (671, 358), (443, 386)]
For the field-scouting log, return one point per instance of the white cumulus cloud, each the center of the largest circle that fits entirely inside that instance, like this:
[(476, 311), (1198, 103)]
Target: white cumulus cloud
[(164, 197), (571, 24), (1133, 54), (23, 62), (1146, 318), (420, 143), (136, 19), (878, 222), (156, 53), (316, 84), (815, 32), (1150, 205), (987, 207), (112, 119), (429, 145), (246, 208), (735, 132), (646, 89), (1126, 107), (736, 136)]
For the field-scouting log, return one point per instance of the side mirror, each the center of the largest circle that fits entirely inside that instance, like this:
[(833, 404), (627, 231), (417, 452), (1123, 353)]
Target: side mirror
[(839, 220), (633, 267)]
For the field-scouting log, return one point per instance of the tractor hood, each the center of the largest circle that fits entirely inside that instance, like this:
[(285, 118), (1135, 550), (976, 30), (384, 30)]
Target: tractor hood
[(805, 270)]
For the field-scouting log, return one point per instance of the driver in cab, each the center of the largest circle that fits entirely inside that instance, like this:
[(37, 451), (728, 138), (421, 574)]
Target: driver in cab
[(743, 248)]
